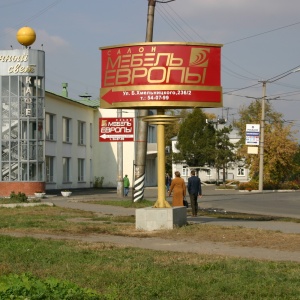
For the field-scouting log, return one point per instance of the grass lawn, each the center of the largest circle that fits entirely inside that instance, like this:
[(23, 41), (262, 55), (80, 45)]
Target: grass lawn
[(129, 273)]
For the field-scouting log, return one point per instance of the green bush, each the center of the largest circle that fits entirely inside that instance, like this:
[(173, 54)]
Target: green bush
[(270, 185), (251, 185), (232, 182), (289, 185), (213, 181), (98, 183), (18, 198), (26, 286), (226, 187)]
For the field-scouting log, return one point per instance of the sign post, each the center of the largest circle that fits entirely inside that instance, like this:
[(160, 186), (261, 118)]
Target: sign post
[(116, 130), (252, 134), (160, 76), (165, 75)]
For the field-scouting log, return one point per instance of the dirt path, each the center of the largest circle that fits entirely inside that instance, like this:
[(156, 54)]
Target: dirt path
[(159, 244)]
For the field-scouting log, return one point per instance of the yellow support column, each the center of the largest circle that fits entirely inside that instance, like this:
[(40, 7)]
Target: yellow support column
[(161, 120), (161, 168)]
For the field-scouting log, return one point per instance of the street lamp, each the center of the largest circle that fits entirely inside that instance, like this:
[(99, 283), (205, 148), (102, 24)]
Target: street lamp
[(262, 128)]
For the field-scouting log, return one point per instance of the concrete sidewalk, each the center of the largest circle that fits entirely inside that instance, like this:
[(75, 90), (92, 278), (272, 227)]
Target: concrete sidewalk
[(79, 198)]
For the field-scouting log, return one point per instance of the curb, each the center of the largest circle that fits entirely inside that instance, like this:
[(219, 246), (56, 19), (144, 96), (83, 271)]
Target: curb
[(13, 205)]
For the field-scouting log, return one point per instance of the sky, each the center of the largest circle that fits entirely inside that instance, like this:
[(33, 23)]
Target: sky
[(260, 41)]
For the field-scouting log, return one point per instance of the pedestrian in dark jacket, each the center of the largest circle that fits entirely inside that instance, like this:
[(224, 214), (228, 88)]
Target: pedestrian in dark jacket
[(168, 182), (194, 190)]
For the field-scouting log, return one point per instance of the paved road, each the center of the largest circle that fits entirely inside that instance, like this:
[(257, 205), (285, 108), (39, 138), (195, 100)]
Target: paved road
[(284, 203), (277, 203)]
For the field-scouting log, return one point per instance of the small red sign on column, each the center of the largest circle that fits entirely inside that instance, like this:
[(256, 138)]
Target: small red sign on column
[(116, 129)]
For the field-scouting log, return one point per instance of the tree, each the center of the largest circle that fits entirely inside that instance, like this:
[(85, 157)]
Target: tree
[(296, 160), (171, 131), (195, 140), (279, 147), (224, 150)]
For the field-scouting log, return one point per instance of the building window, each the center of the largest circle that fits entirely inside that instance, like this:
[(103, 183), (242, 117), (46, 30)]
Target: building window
[(185, 171), (49, 127), (91, 134), (91, 171), (151, 134), (81, 169), (32, 171), (241, 172), (81, 133), (66, 169), (49, 169), (66, 129)]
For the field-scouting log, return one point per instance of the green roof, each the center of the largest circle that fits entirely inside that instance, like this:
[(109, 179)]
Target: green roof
[(94, 103)]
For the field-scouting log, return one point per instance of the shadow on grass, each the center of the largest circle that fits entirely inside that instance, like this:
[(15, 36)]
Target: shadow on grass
[(223, 214), (210, 212)]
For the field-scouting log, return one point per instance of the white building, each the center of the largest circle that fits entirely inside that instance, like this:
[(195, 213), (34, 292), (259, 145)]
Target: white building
[(235, 170), (75, 157)]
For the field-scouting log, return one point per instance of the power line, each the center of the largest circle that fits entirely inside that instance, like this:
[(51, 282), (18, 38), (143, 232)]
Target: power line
[(14, 3), (171, 17), (243, 88), (270, 80), (284, 74), (289, 93), (240, 68), (193, 30), (265, 32), (168, 17), (36, 15), (172, 23), (286, 85), (235, 74)]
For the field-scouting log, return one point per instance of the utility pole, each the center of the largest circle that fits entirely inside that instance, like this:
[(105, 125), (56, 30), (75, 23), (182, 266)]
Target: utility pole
[(262, 137), (142, 135), (120, 185), (262, 127), (262, 140), (150, 20)]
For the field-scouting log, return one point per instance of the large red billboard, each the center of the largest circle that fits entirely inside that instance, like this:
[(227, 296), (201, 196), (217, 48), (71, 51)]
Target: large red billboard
[(161, 74)]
